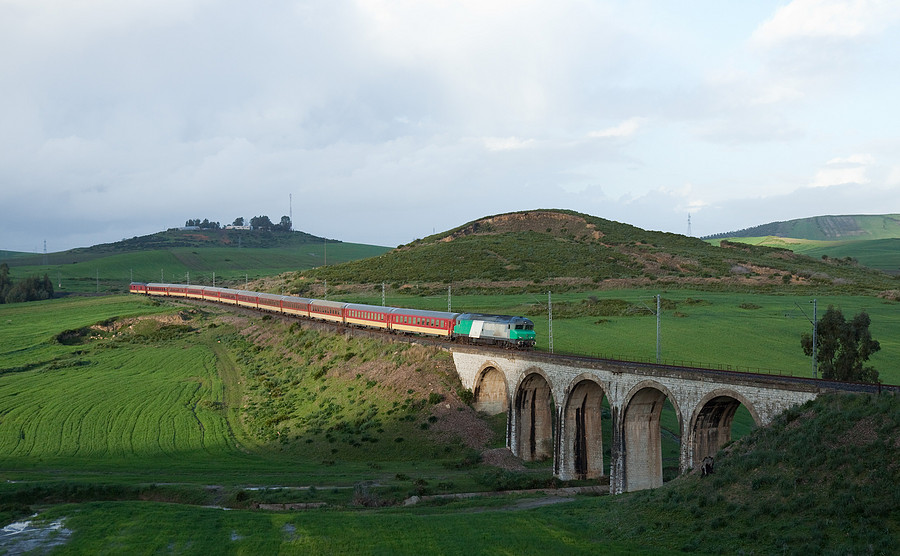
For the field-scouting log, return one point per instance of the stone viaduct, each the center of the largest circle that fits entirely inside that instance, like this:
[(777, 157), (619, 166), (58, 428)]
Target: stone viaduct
[(554, 403)]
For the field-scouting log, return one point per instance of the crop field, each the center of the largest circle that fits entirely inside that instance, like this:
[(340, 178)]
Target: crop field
[(159, 401)]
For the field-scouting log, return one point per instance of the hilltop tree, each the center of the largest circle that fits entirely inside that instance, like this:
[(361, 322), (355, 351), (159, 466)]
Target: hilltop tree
[(843, 347), (285, 224), (239, 221), (261, 223)]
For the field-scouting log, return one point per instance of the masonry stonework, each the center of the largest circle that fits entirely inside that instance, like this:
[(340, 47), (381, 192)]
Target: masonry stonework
[(554, 403)]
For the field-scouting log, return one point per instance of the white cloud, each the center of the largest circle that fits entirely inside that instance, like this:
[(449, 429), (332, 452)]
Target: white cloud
[(506, 143), (826, 19), (625, 129), (852, 169)]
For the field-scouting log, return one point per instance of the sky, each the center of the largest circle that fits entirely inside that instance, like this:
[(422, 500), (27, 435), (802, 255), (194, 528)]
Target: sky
[(383, 121)]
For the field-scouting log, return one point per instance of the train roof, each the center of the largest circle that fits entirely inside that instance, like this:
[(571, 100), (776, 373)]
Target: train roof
[(424, 313), (371, 308), (291, 298), (325, 303), (493, 318)]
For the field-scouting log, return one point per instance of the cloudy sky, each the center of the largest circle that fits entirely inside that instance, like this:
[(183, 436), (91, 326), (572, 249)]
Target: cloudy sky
[(388, 119)]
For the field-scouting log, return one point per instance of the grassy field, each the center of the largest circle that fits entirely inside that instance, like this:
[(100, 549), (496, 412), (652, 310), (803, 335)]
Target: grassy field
[(749, 332), (175, 398)]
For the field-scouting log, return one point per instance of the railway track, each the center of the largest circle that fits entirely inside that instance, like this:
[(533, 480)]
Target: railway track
[(562, 358)]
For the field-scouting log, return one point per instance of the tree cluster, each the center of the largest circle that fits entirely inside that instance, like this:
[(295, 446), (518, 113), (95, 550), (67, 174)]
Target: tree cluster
[(257, 223), (264, 223), (843, 347), (32, 288), (205, 224)]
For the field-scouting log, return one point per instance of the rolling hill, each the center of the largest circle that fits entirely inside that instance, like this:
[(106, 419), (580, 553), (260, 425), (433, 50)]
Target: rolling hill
[(198, 256), (871, 240), (825, 228), (528, 249)]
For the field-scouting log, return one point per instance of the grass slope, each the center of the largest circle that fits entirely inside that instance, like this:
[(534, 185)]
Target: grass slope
[(822, 479), (528, 250)]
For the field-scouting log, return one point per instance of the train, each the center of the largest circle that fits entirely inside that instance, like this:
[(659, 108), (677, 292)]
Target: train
[(476, 328)]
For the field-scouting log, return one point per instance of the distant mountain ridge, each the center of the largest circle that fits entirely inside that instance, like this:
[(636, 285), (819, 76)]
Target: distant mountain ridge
[(826, 228)]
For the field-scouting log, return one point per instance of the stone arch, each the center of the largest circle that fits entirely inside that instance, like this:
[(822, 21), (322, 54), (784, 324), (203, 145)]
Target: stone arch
[(582, 445), (491, 391), (533, 417), (641, 438), (711, 422)]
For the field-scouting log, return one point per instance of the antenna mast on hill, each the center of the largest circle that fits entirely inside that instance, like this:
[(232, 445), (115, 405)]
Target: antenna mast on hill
[(689, 224), (291, 210)]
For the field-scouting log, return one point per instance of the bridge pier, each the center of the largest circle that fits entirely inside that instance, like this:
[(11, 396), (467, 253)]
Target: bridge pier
[(555, 410)]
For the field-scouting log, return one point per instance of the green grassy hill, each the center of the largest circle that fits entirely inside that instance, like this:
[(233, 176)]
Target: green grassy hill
[(880, 254), (821, 479), (870, 240), (826, 228), (234, 256), (534, 248)]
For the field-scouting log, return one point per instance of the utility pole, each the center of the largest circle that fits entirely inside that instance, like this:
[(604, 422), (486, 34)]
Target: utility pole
[(161, 278), (449, 306), (550, 317), (657, 328), (815, 333), (214, 279), (98, 280), (188, 274), (382, 294), (815, 323), (326, 289)]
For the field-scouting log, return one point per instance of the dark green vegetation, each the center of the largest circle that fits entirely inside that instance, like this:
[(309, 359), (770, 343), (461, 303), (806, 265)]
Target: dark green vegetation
[(230, 256), (843, 347), (873, 241), (530, 251), (31, 288)]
